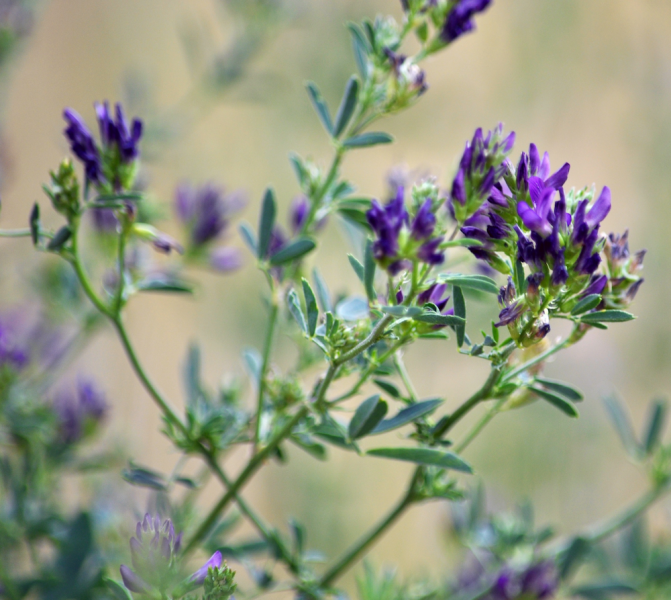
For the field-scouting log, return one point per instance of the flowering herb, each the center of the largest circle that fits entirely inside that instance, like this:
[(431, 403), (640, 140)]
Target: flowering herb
[(536, 250)]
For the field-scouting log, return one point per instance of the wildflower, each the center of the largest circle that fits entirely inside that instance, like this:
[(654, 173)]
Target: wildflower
[(112, 165), (79, 410), (162, 242), (460, 19), (387, 223), (12, 353), (155, 558)]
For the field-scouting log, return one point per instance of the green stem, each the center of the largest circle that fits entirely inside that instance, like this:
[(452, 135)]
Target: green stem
[(15, 233), (405, 377), (480, 425), (482, 394), (321, 192), (121, 267), (373, 337), (254, 463), (365, 542), (537, 359), (272, 320)]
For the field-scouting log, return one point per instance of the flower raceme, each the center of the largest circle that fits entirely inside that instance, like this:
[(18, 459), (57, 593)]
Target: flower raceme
[(545, 238), (110, 166), (155, 558)]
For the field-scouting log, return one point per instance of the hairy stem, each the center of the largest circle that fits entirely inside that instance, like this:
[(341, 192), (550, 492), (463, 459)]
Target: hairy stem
[(15, 233), (405, 377)]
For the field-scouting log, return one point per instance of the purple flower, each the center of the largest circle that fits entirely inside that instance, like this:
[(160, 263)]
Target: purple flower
[(434, 294), (532, 165), (387, 223), (460, 19), (536, 217), (83, 145), (300, 209), (225, 259), (153, 549), (79, 409), (430, 252), (104, 220), (424, 222), (205, 210), (198, 578), (115, 133), (407, 73)]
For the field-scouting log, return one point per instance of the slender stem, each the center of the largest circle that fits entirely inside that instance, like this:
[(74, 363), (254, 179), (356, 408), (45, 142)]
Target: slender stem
[(609, 527), (537, 359), (365, 542), (121, 268), (154, 392), (246, 510), (405, 377), (321, 192), (482, 394), (368, 372), (254, 463), (373, 337), (15, 233), (480, 425), (272, 320)]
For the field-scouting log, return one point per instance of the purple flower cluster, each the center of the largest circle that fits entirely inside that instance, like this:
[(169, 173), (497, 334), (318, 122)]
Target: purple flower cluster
[(13, 354), (460, 19), (409, 76), (154, 550), (205, 211), (482, 164), (79, 410), (537, 582), (400, 239), (104, 165)]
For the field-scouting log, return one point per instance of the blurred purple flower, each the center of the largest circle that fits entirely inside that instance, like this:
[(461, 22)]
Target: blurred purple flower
[(83, 145), (460, 19), (79, 409)]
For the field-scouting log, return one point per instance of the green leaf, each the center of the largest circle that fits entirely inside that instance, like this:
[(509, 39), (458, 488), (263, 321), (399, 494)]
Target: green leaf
[(293, 251), (311, 306), (298, 533), (438, 319), (266, 222), (587, 303), (118, 591), (320, 106), (606, 316), (397, 310), (253, 363), (622, 425), (459, 311), (407, 415), (365, 140), (34, 222), (192, 382), (352, 309), (603, 590), (424, 456), (360, 47), (461, 242), (571, 558), (347, 106), (248, 236), (355, 216), (557, 401), (143, 477), (655, 427), (306, 443), (322, 291), (296, 311), (357, 266), (369, 413), (334, 433), (58, 241), (369, 271), (561, 388), (164, 283), (481, 283), (389, 387), (299, 169)]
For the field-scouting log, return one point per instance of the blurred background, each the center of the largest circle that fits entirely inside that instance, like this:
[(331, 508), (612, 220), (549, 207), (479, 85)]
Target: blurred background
[(590, 82)]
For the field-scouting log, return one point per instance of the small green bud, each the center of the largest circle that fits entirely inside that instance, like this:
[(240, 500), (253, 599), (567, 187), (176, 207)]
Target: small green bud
[(64, 189), (219, 584)]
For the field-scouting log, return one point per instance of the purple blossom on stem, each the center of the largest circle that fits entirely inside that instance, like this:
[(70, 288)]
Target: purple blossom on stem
[(198, 578), (115, 132), (78, 409), (83, 145), (387, 223), (460, 19), (424, 222)]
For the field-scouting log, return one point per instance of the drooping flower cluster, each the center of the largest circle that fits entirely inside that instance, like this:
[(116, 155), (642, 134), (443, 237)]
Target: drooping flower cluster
[(547, 240), (155, 557), (205, 211), (111, 166), (460, 19), (402, 238), (79, 410)]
